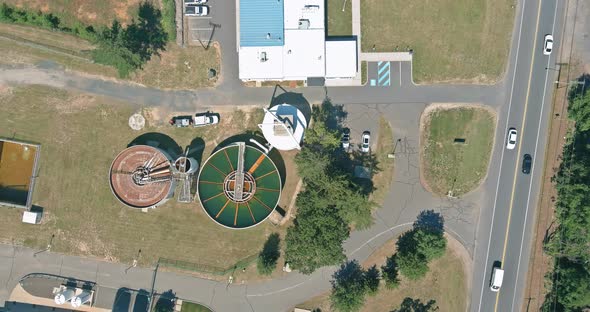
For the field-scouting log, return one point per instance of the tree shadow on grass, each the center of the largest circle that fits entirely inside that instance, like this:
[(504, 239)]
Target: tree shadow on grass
[(159, 140)]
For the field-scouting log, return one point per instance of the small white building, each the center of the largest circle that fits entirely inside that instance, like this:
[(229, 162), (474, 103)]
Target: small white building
[(286, 40)]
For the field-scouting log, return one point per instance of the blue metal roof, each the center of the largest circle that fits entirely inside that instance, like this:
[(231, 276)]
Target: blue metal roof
[(261, 23)]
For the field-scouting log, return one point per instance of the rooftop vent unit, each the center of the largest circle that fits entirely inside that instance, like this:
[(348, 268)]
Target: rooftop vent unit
[(303, 24), (311, 7), (263, 57)]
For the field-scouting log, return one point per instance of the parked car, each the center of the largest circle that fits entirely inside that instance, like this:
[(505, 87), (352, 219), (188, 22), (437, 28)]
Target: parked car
[(511, 141), (195, 1), (196, 10), (345, 138), (527, 162), (366, 142), (548, 45), (202, 119), (181, 121)]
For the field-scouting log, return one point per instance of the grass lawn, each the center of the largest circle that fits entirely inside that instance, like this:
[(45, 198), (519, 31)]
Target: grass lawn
[(100, 12), (453, 40), (339, 22), (445, 283), (176, 68), (448, 166), (80, 135), (193, 307), (364, 72), (382, 180)]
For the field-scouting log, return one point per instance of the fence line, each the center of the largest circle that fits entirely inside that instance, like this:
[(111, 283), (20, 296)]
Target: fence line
[(205, 268)]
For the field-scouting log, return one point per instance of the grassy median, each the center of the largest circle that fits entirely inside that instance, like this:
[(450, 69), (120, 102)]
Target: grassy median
[(453, 40), (456, 143)]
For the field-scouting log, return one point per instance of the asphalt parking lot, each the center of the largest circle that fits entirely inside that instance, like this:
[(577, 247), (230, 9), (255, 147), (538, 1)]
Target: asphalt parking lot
[(200, 30), (358, 120)]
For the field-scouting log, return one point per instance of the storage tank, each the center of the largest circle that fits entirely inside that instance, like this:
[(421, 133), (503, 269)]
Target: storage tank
[(81, 299), (141, 176), (64, 296), (239, 186)]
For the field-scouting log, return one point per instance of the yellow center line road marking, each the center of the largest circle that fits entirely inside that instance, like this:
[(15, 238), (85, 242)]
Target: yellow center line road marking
[(526, 104)]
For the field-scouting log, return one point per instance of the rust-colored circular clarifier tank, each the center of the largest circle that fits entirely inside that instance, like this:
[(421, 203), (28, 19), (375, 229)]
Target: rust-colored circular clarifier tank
[(141, 176)]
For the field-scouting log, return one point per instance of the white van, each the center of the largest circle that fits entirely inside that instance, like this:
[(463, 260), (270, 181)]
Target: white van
[(497, 277)]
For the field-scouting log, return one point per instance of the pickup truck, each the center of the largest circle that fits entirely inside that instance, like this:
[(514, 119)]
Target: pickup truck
[(198, 120)]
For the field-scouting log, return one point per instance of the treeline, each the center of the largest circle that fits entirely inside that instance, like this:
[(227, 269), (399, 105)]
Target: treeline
[(569, 244), (415, 249), (331, 202), (127, 48)]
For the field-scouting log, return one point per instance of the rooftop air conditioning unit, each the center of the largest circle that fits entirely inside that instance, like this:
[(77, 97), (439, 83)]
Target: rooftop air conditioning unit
[(263, 57), (303, 24)]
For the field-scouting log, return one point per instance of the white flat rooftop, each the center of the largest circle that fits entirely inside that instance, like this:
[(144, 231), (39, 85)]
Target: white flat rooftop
[(253, 66), (341, 59), (311, 11), (303, 54)]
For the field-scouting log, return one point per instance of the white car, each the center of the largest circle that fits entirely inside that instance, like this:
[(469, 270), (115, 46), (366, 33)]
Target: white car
[(196, 10), (195, 1), (548, 45), (497, 277), (511, 140), (366, 142)]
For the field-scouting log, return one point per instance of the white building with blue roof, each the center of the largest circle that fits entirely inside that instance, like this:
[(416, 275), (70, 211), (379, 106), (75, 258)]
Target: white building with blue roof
[(286, 40)]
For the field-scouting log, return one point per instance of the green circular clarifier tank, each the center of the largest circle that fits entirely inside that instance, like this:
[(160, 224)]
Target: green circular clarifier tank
[(239, 186)]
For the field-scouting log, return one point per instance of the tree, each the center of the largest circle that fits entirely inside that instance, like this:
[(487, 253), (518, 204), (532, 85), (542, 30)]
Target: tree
[(372, 280), (267, 258), (412, 265), (573, 288), (390, 274), (415, 305), (579, 110), (348, 287), (430, 244), (315, 239)]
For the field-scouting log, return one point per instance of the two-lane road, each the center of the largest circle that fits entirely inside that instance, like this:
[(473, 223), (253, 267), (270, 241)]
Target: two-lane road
[(508, 239)]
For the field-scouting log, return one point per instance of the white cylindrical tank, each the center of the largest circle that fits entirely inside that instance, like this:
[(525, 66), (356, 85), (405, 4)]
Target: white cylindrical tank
[(64, 296), (186, 165), (81, 299)]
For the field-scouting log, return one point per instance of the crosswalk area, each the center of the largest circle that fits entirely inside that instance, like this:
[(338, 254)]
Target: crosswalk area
[(384, 74)]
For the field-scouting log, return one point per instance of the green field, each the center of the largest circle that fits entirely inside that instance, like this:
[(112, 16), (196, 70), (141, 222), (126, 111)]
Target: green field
[(80, 135), (448, 166), (176, 68), (445, 283), (193, 307), (101, 12), (453, 40), (339, 22)]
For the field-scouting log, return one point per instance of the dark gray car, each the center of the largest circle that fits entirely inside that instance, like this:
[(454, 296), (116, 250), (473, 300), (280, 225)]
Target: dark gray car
[(527, 162)]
